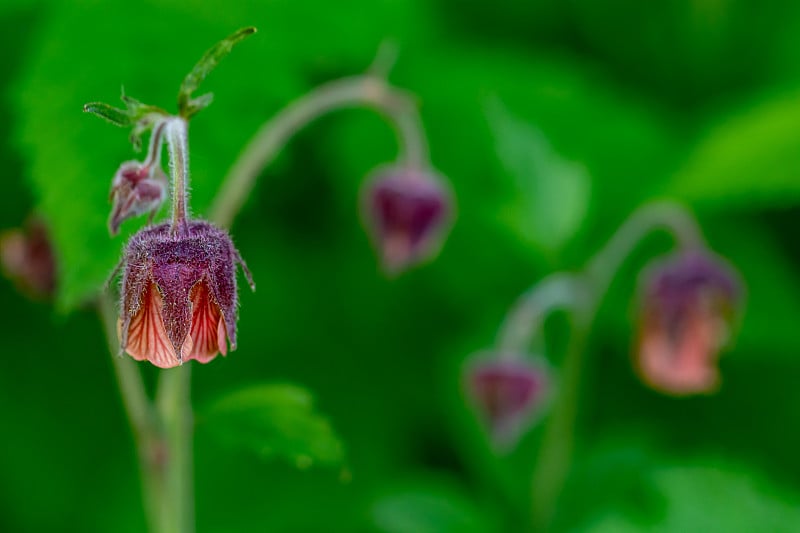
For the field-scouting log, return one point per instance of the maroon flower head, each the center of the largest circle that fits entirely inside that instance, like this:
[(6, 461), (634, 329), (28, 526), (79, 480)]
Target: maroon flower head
[(407, 212), (508, 394), (689, 303), (136, 189), (26, 257), (179, 295)]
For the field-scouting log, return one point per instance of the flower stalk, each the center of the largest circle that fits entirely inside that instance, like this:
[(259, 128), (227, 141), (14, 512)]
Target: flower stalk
[(367, 90), (582, 294), (163, 428)]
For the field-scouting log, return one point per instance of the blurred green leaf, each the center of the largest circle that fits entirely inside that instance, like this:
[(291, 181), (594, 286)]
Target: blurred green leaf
[(430, 506), (711, 498), (550, 194), (771, 292), (275, 420), (748, 159)]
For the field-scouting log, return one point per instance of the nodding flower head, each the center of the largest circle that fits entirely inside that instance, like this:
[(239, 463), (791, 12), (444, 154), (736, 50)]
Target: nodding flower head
[(27, 258), (689, 303), (407, 212), (137, 189), (509, 395), (179, 296)]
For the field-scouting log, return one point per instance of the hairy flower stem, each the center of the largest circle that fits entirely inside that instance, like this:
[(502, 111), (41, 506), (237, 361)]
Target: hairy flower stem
[(178, 144), (367, 90), (554, 292)]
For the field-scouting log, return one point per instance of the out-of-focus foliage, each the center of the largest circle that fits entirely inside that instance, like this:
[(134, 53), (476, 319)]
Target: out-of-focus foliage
[(274, 420), (577, 111)]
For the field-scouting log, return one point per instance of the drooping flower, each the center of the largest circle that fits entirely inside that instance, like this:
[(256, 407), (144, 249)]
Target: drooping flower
[(407, 212), (179, 295), (26, 257), (137, 188), (689, 303), (509, 394)]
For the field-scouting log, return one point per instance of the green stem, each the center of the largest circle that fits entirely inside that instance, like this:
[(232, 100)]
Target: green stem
[(173, 402), (558, 442), (557, 291), (366, 90), (141, 415), (555, 454)]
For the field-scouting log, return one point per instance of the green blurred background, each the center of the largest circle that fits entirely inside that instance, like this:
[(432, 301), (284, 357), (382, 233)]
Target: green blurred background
[(552, 119)]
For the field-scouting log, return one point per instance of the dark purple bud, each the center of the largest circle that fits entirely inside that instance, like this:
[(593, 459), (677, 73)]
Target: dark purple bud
[(27, 258), (407, 213), (136, 189), (689, 303), (179, 295), (509, 394)]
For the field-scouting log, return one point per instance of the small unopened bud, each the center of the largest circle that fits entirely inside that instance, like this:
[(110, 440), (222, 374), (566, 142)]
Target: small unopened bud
[(27, 258), (179, 295), (136, 189), (509, 395), (689, 302), (407, 212)]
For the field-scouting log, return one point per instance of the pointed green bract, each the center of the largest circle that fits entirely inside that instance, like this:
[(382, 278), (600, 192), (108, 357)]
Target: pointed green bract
[(109, 113), (186, 104), (137, 115)]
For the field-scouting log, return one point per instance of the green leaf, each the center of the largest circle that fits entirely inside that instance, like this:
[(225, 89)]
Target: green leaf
[(275, 420), (550, 195), (207, 63), (748, 160), (711, 498), (430, 505)]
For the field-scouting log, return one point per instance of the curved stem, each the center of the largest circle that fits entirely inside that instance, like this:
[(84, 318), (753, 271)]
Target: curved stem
[(178, 143), (669, 216), (154, 148), (527, 316), (366, 90), (411, 134), (555, 454)]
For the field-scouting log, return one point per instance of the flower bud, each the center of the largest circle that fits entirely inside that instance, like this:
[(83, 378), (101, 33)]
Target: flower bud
[(688, 305), (179, 295), (407, 212), (136, 189), (27, 258), (509, 394)]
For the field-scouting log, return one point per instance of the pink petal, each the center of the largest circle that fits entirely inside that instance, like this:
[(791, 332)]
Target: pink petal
[(147, 338), (682, 366), (206, 318), (222, 336)]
